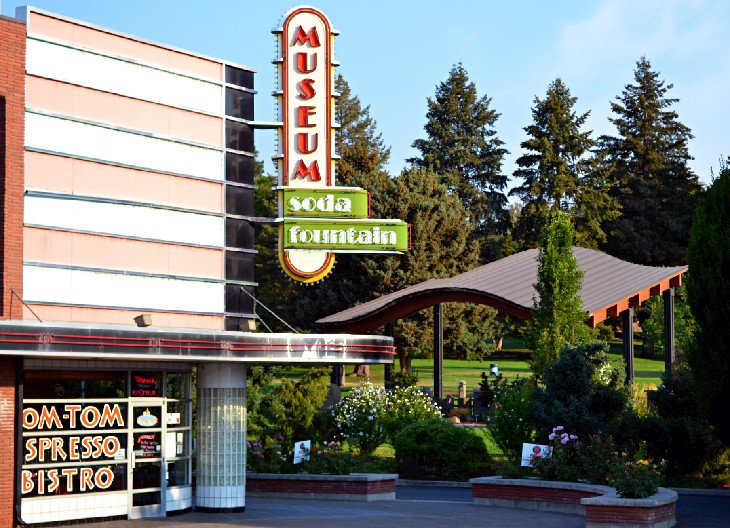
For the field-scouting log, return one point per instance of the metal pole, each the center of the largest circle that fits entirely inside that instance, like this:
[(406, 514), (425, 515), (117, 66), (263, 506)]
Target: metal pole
[(390, 332), (438, 351), (627, 317), (670, 349)]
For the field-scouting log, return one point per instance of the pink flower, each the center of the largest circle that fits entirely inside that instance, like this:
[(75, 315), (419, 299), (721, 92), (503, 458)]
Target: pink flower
[(551, 436), (564, 435), (573, 437), (564, 440), (558, 428)]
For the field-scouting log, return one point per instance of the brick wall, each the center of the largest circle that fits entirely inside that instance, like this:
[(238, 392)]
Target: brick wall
[(7, 440), (319, 486), (12, 119), (612, 515), (553, 495)]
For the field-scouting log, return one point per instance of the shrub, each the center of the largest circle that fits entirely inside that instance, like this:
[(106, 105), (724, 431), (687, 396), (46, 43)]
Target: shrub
[(708, 290), (358, 417), (564, 460), (582, 393), (437, 450), (291, 407), (636, 477), (269, 455), (404, 406), (403, 378), (676, 433), (512, 423), (488, 387)]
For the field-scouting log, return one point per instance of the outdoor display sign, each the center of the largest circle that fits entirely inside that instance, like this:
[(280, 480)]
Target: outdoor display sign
[(70, 442), (317, 219)]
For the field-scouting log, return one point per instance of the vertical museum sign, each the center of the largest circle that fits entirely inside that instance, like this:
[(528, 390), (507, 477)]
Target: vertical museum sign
[(316, 219)]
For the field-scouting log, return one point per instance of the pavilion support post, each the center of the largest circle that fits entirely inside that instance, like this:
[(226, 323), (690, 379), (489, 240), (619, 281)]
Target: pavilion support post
[(438, 351), (627, 319), (390, 332), (670, 348)]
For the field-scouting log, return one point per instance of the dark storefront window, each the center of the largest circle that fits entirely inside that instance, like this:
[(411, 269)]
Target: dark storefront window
[(55, 385)]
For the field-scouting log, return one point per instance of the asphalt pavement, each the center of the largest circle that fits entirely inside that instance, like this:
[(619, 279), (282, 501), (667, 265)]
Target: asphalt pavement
[(414, 507)]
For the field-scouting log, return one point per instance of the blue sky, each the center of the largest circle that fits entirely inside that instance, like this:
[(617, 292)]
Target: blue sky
[(393, 53)]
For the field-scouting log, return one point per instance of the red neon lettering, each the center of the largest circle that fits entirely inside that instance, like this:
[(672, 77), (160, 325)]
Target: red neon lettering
[(303, 113), (57, 449), (86, 446), (111, 416), (30, 418), (90, 417), (44, 444), (306, 90), (303, 172), (111, 446), (96, 442), (302, 38), (140, 379), (69, 473), (73, 447), (72, 409), (31, 450), (303, 62), (41, 482), (49, 418), (26, 481), (55, 481), (303, 143), (85, 476), (108, 475)]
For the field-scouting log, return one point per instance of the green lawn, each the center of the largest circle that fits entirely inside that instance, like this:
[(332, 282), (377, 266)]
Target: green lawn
[(646, 371)]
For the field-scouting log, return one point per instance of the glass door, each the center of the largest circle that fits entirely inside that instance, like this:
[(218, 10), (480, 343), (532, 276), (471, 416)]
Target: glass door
[(146, 464)]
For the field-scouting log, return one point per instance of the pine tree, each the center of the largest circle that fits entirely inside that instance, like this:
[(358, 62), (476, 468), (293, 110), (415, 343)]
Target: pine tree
[(359, 144), (558, 318), (708, 290), (556, 174), (652, 181), (462, 147)]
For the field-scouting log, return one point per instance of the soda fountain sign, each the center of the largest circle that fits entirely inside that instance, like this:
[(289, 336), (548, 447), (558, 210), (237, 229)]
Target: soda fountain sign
[(316, 218)]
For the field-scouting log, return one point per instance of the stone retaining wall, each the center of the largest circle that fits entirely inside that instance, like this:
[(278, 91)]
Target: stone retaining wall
[(353, 487), (601, 505)]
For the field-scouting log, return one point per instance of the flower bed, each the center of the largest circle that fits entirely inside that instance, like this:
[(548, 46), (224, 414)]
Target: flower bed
[(601, 505), (353, 487)]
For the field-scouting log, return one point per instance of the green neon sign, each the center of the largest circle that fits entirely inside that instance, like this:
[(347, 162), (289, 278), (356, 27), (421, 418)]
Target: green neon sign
[(347, 235), (327, 203)]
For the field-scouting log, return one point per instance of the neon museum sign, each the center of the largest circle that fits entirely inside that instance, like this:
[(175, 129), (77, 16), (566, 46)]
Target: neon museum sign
[(316, 218)]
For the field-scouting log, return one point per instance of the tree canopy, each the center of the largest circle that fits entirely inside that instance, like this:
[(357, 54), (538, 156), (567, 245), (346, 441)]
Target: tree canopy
[(463, 148), (647, 162), (556, 173)]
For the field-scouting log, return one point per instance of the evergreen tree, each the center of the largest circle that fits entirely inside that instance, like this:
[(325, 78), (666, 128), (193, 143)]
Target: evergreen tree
[(648, 165), (442, 247), (558, 317), (360, 146), (556, 174), (708, 291), (462, 147)]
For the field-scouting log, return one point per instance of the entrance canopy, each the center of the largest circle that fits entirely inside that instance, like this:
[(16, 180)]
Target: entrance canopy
[(610, 286)]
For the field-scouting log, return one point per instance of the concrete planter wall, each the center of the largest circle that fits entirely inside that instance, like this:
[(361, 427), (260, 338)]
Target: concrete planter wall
[(353, 487), (600, 505)]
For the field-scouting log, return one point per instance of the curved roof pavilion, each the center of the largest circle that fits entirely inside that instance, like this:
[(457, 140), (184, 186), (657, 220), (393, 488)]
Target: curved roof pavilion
[(610, 286)]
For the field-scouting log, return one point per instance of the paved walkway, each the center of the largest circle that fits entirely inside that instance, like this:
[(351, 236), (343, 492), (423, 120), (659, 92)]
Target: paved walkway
[(302, 513), (415, 507)]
